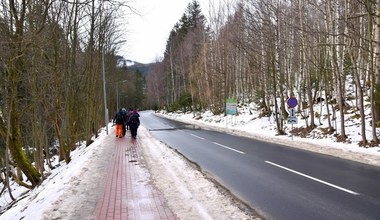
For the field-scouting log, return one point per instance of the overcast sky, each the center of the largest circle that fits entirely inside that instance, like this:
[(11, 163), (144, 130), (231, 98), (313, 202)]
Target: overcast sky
[(147, 34)]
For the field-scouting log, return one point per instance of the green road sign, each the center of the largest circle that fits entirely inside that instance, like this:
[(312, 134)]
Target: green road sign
[(231, 106)]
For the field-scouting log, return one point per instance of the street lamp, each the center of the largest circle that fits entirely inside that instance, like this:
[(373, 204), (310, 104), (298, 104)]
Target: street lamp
[(104, 76), (104, 93)]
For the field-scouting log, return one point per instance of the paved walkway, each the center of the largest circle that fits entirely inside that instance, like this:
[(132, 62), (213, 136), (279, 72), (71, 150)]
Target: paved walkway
[(127, 193)]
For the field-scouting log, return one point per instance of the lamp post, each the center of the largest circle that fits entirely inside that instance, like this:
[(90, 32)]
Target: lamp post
[(104, 74), (104, 93)]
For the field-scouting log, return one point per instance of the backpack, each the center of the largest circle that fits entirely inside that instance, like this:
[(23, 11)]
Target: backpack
[(119, 118), (134, 121)]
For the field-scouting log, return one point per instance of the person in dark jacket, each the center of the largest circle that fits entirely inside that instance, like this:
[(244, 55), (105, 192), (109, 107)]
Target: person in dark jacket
[(124, 111), (119, 120), (134, 123), (128, 115)]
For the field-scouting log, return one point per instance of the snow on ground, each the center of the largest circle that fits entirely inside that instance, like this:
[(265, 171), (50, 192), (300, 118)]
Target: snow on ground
[(188, 192), (71, 190)]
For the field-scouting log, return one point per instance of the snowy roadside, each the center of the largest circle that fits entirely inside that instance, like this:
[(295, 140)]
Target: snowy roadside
[(80, 196), (71, 191), (264, 130), (188, 192)]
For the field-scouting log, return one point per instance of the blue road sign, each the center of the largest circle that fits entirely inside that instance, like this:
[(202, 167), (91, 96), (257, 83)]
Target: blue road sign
[(292, 102)]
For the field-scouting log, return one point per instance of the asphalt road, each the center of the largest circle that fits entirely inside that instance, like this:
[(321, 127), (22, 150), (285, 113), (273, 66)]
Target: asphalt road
[(278, 181)]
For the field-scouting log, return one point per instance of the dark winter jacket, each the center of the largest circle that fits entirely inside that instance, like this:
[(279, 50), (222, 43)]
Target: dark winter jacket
[(120, 118), (134, 121)]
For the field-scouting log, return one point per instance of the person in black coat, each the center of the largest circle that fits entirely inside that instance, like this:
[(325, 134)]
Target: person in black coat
[(134, 123), (119, 120)]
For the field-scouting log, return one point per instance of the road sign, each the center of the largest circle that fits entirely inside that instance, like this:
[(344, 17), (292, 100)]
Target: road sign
[(292, 112), (231, 106), (292, 120), (292, 102)]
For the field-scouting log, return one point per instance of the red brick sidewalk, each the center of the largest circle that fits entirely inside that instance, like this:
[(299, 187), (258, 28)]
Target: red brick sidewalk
[(127, 193)]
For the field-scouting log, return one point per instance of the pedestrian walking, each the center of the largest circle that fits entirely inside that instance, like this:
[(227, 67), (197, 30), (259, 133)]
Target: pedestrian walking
[(119, 120), (134, 123), (125, 119)]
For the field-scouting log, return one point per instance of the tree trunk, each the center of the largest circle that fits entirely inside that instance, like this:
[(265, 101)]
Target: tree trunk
[(15, 69), (15, 147), (375, 90)]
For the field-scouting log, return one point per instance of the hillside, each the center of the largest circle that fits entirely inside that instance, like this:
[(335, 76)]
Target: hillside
[(143, 68), (133, 66)]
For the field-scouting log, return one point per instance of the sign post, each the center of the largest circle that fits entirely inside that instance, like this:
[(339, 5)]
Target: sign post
[(292, 119), (231, 108)]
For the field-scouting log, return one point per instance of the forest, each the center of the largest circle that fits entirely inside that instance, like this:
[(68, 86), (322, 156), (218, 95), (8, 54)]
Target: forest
[(266, 51), (52, 53)]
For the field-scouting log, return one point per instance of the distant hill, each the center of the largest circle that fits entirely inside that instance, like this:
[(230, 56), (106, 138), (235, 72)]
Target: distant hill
[(143, 68), (132, 66)]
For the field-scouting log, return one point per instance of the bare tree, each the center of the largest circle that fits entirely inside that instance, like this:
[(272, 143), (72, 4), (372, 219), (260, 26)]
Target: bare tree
[(46, 66)]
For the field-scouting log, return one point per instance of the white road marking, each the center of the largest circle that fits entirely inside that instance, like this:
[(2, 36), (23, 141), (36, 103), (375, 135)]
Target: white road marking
[(197, 136), (229, 148), (221, 145), (313, 178)]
